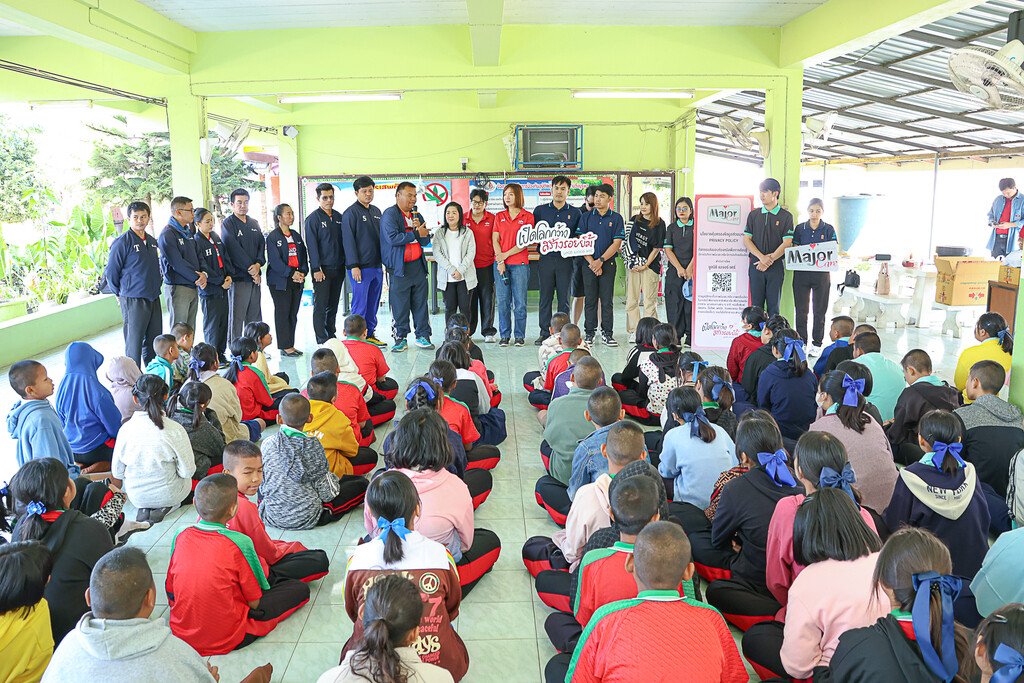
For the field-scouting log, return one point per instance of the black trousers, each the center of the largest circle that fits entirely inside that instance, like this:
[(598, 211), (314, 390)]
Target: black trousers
[(811, 288), (698, 530), (557, 668), (456, 300), (408, 294), (599, 287), (741, 597), (305, 565), (482, 302), (554, 497), (142, 324), (678, 309), (766, 287), (282, 598), (286, 313), (563, 631), (326, 295), (555, 276), (762, 645), (478, 559), (102, 453), (353, 490), (215, 322), (480, 483)]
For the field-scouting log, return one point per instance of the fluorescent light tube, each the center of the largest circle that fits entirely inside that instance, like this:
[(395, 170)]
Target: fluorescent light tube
[(340, 97), (632, 94)]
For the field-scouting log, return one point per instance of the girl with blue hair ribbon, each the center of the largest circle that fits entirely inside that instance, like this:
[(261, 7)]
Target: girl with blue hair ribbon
[(714, 384), (786, 387), (996, 343), (393, 502), (919, 641), (1000, 645)]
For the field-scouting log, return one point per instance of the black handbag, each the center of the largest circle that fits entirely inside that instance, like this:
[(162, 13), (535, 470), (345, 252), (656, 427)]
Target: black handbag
[(852, 279)]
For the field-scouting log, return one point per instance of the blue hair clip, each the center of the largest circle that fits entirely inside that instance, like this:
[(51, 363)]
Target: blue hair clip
[(35, 508), (853, 387), (426, 387), (831, 479), (760, 326), (1012, 664), (694, 420), (1003, 334), (944, 667), (775, 465), (195, 364), (717, 383), (939, 450), (4, 491), (396, 526), (794, 346)]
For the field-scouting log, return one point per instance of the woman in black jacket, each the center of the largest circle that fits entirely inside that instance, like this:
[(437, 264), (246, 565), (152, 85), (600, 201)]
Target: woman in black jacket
[(287, 267), (214, 296)]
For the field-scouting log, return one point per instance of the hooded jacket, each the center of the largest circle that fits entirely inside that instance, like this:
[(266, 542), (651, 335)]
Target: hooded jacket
[(226, 405), (334, 430), (121, 372), (919, 398), (993, 431), (207, 439), (125, 649), (659, 375), (36, 427), (85, 406)]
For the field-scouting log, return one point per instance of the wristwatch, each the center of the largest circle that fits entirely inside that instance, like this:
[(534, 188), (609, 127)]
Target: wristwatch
[(602, 258)]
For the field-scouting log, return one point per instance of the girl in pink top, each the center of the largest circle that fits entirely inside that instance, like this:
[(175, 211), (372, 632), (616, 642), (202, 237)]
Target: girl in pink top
[(834, 594), (421, 451), (820, 463)]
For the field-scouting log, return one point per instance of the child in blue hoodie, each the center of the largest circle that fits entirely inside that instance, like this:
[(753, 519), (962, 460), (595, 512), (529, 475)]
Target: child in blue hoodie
[(91, 418), (166, 348), (33, 422)]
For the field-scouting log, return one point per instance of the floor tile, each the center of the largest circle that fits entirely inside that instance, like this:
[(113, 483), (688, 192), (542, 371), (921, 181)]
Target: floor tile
[(311, 660), (503, 586), (498, 621), (327, 624), (510, 661), (236, 665)]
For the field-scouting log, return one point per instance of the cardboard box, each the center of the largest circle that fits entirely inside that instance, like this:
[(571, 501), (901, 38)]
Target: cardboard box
[(963, 281), (1009, 275)]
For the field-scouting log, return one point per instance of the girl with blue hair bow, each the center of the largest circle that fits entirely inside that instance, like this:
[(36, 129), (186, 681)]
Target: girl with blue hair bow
[(1000, 644), (786, 387), (996, 343)]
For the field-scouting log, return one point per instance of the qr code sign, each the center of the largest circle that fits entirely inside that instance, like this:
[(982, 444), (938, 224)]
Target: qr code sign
[(722, 282)]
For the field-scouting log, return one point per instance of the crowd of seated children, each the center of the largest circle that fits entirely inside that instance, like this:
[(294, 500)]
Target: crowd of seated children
[(660, 373), (167, 354), (886, 375), (236, 598), (759, 359), (996, 345), (403, 553), (992, 434), (184, 337), (349, 399), (458, 335), (288, 559), (382, 409), (754, 320), (549, 348), (33, 422), (258, 407), (154, 456), (564, 380), (845, 353), (203, 367), (121, 372), (840, 332), (472, 390), (190, 409), (420, 449), (87, 410), (842, 402), (299, 491), (369, 359), (457, 415), (687, 635), (925, 392), (643, 340), (25, 636), (541, 384), (786, 387), (334, 430), (277, 384)]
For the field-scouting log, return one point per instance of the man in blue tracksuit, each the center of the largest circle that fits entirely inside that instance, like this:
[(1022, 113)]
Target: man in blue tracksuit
[(179, 263), (555, 269), (402, 238), (246, 248), (133, 273), (322, 231), (1006, 218), (360, 233)]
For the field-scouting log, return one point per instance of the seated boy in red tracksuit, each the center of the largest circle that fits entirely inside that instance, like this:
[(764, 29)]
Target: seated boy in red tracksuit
[(571, 338), (258, 406), (244, 462), (349, 401), (657, 635), (369, 359), (222, 595)]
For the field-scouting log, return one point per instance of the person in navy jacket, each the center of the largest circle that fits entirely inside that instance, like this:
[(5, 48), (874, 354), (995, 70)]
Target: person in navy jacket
[(555, 269), (787, 388), (599, 275), (179, 264), (402, 238), (360, 235), (287, 267), (214, 295), (326, 261), (133, 273), (1006, 217), (246, 249), (808, 285)]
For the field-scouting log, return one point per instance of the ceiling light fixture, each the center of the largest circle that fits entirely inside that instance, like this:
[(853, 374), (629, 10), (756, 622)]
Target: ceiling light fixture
[(632, 94), (340, 97)]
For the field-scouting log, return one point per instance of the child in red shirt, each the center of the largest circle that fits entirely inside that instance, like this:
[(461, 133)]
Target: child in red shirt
[(251, 386), (222, 595), (458, 417), (369, 359), (754, 319), (571, 338), (349, 401)]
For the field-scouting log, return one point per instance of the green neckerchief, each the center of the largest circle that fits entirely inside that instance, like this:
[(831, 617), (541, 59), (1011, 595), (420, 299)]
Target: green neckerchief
[(659, 594), (832, 409), (929, 379), (258, 374), (774, 212), (710, 404), (664, 350), (754, 333), (901, 615), (243, 542), (291, 431)]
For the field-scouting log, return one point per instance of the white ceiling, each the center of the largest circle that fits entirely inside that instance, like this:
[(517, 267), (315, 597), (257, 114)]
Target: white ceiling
[(9, 28), (236, 15)]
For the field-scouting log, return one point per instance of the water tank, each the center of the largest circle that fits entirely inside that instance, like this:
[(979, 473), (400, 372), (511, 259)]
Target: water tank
[(851, 216)]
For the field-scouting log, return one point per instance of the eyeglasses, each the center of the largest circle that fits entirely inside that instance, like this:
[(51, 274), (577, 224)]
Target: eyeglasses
[(682, 209)]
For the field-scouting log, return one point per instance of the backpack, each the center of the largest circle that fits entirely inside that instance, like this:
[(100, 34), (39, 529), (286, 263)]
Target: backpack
[(1015, 489)]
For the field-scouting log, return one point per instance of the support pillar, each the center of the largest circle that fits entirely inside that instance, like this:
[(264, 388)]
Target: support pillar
[(682, 155), (186, 124), (288, 173)]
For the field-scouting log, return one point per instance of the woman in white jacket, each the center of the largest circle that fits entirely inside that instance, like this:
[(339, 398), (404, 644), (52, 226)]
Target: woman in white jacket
[(454, 251), (153, 455)]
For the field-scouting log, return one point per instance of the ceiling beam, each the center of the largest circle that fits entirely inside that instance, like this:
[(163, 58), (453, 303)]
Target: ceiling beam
[(875, 150), (485, 19), (904, 158), (268, 104), (487, 99)]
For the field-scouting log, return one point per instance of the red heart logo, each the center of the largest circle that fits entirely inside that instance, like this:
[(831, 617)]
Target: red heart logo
[(812, 245)]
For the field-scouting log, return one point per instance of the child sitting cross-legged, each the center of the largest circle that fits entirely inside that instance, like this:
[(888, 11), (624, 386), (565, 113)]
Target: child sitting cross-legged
[(459, 335), (570, 338), (236, 598), (628, 379), (549, 348), (298, 489), (473, 391), (349, 398), (369, 359), (380, 409), (457, 415), (333, 429), (203, 367), (402, 551), (91, 418), (563, 383), (786, 388), (25, 636), (189, 408), (660, 373), (162, 365), (925, 392), (748, 341), (277, 384), (258, 406)]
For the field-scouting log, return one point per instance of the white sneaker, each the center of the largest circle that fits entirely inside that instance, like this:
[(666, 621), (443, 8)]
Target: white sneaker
[(490, 339), (814, 350)]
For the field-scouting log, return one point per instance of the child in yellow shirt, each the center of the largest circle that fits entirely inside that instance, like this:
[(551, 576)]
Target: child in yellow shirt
[(25, 636), (996, 345), (334, 430)]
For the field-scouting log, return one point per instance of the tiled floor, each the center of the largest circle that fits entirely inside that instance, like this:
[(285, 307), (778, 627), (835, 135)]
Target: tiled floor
[(501, 620)]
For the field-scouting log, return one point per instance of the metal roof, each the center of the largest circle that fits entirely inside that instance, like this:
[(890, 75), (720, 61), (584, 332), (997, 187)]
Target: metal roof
[(894, 98)]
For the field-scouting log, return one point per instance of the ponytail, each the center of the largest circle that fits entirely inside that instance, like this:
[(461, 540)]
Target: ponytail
[(424, 392), (392, 609), (202, 359), (151, 392), (241, 348), (791, 349), (39, 487), (941, 430), (393, 501), (190, 397), (716, 385), (847, 394), (995, 327)]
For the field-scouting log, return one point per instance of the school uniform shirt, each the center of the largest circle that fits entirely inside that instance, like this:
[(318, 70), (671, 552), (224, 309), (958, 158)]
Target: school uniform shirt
[(568, 216), (759, 359), (656, 636), (790, 399), (827, 599), (85, 406), (244, 244), (507, 229), (133, 266), (162, 368), (179, 260), (334, 431), (156, 464), (274, 383), (254, 395), (446, 510), (27, 643), (837, 356), (659, 375), (870, 456), (768, 229), (926, 394), (822, 362), (565, 428), (360, 235), (782, 567), (472, 391), (34, 424), (431, 568), (693, 465), (348, 371), (478, 368), (885, 651), (992, 434), (456, 414), (631, 370), (641, 238), (953, 508), (679, 238), (557, 363), (209, 609), (226, 404), (286, 255), (805, 234), (745, 510), (482, 231), (608, 228), (296, 480), (998, 582), (887, 382), (990, 349), (742, 346), (588, 513), (368, 359), (247, 521), (213, 261)]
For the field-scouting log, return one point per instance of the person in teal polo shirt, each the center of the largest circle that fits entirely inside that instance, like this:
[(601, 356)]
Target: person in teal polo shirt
[(768, 233), (886, 375)]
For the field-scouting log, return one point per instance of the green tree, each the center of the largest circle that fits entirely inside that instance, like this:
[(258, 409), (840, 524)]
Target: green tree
[(20, 179)]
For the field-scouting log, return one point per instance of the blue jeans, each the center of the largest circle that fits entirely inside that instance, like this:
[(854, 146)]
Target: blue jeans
[(515, 290)]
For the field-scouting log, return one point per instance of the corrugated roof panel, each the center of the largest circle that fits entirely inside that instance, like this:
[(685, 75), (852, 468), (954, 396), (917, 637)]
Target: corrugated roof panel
[(876, 84), (1008, 118), (998, 137), (941, 125), (886, 112), (949, 101), (830, 100)]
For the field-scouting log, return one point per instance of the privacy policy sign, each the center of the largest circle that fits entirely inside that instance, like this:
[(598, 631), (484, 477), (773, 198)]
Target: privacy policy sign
[(720, 283), (822, 257)]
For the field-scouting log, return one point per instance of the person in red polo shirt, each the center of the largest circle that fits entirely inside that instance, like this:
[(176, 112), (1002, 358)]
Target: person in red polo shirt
[(481, 222), (511, 264), (1006, 218)]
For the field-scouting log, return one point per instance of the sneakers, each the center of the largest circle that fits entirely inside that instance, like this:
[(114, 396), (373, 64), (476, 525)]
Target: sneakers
[(520, 341), (590, 340), (400, 346), (128, 528), (539, 340), (490, 339), (154, 515), (609, 340), (814, 350), (503, 342), (423, 343), (376, 342)]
